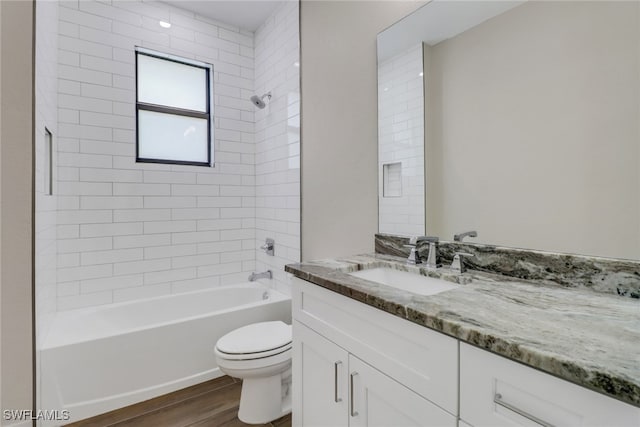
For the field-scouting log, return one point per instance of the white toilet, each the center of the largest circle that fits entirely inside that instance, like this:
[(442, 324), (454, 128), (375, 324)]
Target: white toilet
[(260, 355)]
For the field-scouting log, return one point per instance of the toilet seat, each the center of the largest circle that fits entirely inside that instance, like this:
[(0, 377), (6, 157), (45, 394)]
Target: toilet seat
[(251, 356), (258, 364), (256, 341)]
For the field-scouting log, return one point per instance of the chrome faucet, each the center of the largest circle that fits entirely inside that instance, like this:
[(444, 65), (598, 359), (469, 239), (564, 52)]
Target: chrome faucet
[(432, 258), (414, 256), (459, 237), (264, 275), (268, 246), (457, 265)]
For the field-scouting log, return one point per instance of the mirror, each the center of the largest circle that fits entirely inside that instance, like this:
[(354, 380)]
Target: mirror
[(531, 124), (401, 142)]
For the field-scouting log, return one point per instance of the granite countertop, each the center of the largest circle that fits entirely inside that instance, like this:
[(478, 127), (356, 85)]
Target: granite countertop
[(589, 338)]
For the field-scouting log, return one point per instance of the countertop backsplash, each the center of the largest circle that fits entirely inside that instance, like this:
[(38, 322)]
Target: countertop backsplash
[(605, 275)]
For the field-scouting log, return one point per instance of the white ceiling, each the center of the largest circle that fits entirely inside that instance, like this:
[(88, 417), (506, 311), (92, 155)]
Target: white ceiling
[(246, 14)]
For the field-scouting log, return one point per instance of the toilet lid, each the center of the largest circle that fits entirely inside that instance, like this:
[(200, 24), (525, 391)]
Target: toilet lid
[(256, 338)]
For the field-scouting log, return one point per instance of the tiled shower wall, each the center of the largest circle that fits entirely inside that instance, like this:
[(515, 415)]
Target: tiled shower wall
[(45, 204), (278, 142), (130, 230), (401, 140)]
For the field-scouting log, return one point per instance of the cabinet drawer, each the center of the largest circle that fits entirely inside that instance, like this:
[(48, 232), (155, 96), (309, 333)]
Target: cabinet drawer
[(423, 360), (495, 391)]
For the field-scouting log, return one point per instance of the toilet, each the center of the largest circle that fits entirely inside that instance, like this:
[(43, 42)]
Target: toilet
[(260, 355)]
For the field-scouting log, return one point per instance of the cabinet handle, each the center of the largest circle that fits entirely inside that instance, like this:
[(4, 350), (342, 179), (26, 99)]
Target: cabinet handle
[(335, 382), (497, 399), (354, 413)]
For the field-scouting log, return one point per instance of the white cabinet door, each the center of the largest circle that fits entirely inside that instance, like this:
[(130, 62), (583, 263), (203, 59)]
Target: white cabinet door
[(320, 374), (377, 400), (495, 391), (423, 360)]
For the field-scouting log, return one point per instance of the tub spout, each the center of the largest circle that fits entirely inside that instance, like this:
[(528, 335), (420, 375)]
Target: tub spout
[(264, 275)]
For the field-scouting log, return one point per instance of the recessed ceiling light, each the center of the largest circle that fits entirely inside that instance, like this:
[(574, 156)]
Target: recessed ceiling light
[(421, 74), (164, 24), (296, 64)]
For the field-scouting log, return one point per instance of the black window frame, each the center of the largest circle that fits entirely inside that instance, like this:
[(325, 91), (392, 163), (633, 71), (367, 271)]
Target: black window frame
[(208, 115)]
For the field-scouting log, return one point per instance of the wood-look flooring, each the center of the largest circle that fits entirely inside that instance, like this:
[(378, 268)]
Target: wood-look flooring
[(210, 404)]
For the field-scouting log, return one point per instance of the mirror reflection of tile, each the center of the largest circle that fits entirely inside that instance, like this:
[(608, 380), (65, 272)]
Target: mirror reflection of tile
[(392, 180)]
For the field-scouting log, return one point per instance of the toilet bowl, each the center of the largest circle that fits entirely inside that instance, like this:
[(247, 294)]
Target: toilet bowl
[(260, 355)]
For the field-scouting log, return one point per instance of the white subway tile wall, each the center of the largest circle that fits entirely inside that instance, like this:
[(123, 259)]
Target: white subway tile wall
[(277, 137), (130, 230), (46, 205), (401, 140)]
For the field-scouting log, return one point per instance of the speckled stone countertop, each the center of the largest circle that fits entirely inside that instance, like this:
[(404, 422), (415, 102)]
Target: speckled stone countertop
[(589, 338)]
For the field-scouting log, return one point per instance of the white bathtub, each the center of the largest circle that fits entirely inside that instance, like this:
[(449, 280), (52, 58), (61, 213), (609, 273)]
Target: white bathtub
[(98, 359)]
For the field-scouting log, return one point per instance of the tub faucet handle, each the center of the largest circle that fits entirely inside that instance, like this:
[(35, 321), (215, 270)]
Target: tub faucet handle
[(268, 246)]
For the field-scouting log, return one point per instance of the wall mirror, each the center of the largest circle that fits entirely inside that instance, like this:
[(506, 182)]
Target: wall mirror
[(518, 119)]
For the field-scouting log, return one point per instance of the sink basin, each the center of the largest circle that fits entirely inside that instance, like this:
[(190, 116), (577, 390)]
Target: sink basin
[(405, 281)]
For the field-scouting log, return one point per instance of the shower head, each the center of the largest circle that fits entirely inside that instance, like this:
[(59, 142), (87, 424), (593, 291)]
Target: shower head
[(259, 102)]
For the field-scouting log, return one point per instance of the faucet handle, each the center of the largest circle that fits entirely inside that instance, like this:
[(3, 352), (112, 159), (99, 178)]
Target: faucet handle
[(414, 256), (268, 246), (458, 265)]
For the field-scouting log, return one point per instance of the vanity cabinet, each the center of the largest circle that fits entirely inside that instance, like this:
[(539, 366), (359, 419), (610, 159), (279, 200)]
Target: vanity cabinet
[(354, 365), (495, 391), (336, 389)]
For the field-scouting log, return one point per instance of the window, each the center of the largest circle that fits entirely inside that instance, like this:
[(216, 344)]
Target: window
[(173, 109)]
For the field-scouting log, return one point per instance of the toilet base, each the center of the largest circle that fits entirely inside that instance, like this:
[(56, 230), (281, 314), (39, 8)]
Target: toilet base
[(265, 399)]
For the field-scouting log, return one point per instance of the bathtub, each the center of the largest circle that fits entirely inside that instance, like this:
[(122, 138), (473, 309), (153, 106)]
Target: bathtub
[(98, 359)]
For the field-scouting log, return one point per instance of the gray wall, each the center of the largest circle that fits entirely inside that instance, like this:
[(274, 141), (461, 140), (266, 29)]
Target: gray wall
[(339, 123), (16, 134)]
